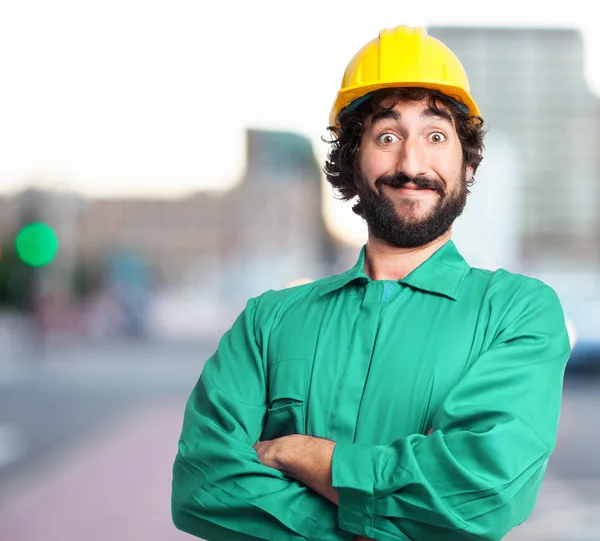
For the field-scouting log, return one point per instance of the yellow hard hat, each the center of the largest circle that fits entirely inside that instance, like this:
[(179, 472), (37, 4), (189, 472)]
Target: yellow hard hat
[(403, 57)]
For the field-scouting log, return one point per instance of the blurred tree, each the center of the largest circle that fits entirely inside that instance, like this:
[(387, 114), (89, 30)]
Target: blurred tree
[(15, 280), (87, 280)]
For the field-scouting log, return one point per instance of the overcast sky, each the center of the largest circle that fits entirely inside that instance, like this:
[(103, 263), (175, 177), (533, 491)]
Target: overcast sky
[(147, 97)]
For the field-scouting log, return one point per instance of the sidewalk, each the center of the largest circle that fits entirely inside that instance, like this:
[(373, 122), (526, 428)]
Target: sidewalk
[(115, 487)]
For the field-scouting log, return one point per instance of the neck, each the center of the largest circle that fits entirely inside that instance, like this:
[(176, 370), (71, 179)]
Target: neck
[(385, 262)]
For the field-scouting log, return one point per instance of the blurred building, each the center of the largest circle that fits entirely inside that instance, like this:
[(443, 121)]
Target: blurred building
[(530, 86), (8, 216), (269, 228), (267, 231)]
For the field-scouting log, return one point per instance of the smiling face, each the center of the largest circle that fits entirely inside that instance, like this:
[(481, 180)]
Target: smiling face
[(412, 184)]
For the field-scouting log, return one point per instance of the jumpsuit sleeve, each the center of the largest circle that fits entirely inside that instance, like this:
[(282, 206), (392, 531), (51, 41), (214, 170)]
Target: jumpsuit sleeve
[(478, 474), (220, 490)]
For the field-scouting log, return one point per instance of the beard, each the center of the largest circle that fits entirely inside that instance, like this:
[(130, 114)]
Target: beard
[(388, 224)]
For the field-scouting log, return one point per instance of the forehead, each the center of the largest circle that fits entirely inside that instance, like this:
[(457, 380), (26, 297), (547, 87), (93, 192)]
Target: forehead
[(410, 111)]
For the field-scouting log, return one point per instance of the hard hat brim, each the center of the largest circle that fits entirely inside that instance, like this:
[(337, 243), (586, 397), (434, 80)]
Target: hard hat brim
[(349, 94)]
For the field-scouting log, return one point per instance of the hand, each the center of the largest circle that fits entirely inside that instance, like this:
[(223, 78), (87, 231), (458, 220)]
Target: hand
[(269, 452), (306, 459)]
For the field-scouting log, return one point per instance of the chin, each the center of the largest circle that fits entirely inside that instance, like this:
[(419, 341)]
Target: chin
[(415, 213)]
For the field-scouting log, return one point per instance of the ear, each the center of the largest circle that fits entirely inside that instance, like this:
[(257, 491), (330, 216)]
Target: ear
[(470, 173)]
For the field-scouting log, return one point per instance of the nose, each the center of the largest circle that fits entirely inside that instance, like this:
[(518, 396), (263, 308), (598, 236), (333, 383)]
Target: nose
[(412, 159)]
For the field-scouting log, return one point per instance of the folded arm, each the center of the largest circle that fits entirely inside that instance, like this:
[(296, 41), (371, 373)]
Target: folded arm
[(478, 474), (220, 488)]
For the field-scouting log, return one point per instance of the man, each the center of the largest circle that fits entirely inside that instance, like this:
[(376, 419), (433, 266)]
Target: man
[(410, 398)]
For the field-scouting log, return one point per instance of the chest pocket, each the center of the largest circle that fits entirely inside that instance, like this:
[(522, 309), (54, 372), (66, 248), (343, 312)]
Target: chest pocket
[(287, 390)]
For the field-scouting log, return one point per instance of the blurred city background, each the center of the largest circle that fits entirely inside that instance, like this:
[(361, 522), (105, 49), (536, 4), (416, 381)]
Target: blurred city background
[(160, 163)]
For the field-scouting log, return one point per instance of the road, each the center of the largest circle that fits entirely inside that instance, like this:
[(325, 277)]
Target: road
[(88, 435)]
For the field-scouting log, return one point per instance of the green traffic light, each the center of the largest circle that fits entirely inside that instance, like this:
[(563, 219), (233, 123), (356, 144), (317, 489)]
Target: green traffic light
[(36, 244)]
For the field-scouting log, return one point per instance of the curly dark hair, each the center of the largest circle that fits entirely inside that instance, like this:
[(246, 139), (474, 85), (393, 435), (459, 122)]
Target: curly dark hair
[(341, 164)]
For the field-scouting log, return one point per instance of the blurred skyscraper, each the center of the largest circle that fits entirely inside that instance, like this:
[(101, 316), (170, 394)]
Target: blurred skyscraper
[(530, 86)]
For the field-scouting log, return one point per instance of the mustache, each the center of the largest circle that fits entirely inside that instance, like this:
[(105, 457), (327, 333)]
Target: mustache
[(400, 180)]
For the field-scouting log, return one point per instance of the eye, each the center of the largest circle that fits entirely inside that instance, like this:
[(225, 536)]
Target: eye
[(437, 137), (387, 138)]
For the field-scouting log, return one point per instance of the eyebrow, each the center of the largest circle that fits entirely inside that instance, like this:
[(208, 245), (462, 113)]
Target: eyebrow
[(438, 114), (382, 115)]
